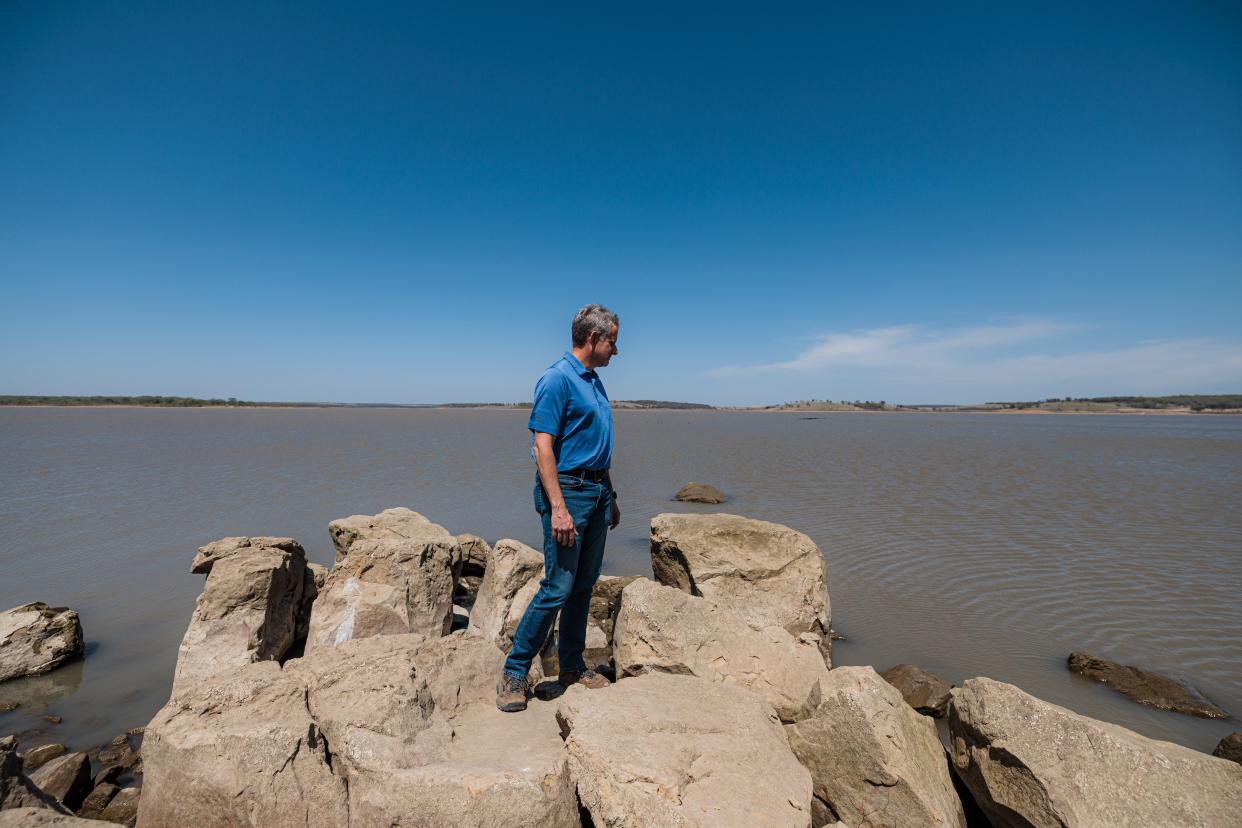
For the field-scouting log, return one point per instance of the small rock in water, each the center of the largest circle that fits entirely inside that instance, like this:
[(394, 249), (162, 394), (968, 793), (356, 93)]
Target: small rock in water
[(53, 719), (1230, 748), (925, 692), (699, 493), (1145, 687), (8, 707), (36, 758)]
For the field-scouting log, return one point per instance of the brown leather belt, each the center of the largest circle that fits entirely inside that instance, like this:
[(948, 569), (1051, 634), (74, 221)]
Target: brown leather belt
[(599, 476)]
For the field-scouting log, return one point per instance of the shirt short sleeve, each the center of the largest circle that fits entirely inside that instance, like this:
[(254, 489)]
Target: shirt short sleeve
[(551, 395)]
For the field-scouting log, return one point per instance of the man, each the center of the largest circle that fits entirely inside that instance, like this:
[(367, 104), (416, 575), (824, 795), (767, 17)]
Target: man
[(571, 426)]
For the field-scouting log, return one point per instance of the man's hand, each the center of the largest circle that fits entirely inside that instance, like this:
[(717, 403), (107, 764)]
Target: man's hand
[(616, 515), (562, 526)]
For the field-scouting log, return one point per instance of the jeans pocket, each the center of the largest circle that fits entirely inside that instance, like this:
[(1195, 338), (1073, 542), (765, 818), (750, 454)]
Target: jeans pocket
[(569, 482)]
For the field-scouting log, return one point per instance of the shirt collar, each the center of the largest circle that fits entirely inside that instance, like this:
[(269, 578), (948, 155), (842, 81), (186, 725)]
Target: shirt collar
[(582, 370)]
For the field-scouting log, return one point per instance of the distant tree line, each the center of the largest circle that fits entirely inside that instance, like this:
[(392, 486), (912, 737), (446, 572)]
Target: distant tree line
[(664, 404), (166, 402), (1195, 402)]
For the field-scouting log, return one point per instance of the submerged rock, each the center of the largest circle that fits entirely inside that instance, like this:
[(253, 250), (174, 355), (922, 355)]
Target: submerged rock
[(925, 692), (248, 610), (1028, 762), (699, 493), (778, 576), (1145, 687), (36, 639), (662, 629), (874, 761), (670, 750)]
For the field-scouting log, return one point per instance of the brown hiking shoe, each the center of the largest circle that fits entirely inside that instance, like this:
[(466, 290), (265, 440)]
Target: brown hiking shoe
[(588, 678), (511, 693)]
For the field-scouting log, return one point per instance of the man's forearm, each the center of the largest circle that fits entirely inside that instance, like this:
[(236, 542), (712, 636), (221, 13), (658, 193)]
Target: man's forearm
[(546, 461)]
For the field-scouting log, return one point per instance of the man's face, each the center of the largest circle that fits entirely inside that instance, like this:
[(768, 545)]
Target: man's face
[(604, 348)]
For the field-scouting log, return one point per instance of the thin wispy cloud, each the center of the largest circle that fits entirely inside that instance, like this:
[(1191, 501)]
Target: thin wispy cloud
[(1035, 357)]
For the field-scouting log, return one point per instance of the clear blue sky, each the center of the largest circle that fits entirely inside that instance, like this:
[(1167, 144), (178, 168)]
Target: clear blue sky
[(370, 202)]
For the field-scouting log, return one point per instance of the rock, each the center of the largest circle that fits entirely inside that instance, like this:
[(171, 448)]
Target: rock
[(470, 567), (97, 800), (123, 809), (66, 778), (385, 587), (9, 706), (399, 524), (1230, 748), (661, 750), (874, 761), (663, 629), (53, 719), (319, 574), (396, 729), (1145, 687), (699, 493), (37, 817), (245, 743), (248, 610), (511, 581), (16, 790), (108, 776), (925, 692), (1028, 762), (36, 758), (777, 574), (36, 639)]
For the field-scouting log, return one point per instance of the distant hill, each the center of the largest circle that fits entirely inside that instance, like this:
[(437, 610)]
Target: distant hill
[(657, 404)]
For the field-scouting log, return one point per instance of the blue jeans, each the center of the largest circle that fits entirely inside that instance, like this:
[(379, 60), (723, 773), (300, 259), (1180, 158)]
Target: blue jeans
[(569, 575)]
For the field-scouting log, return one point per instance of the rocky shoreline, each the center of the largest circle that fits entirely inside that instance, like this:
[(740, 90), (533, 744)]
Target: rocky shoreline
[(364, 695)]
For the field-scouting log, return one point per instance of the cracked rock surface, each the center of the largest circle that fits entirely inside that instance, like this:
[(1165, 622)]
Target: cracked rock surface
[(395, 729), (1029, 762), (665, 750), (777, 574), (662, 629), (36, 639), (875, 762)]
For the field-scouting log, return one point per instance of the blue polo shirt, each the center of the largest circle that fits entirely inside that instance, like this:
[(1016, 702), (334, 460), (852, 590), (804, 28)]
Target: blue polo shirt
[(571, 405)]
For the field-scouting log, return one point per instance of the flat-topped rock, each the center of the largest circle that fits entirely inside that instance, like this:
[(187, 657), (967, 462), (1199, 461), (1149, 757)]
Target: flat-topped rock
[(699, 493), (399, 524), (662, 749), (874, 761), (249, 608), (1144, 686), (37, 757), (1029, 762), (662, 629), (36, 639), (66, 778), (925, 692), (776, 574)]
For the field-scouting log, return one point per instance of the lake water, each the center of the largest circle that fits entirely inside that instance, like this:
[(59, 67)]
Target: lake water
[(966, 544)]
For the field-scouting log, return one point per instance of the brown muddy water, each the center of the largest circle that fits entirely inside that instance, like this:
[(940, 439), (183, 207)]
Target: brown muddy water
[(966, 544)]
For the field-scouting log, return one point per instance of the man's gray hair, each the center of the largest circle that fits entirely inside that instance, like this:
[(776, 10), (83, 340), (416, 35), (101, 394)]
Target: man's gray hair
[(593, 318)]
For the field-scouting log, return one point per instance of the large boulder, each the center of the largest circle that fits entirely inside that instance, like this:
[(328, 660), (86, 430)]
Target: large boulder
[(248, 610), (1144, 686), (66, 778), (395, 729), (415, 731), (16, 790), (874, 761), (778, 575), (393, 575), (245, 744), (662, 749), (1031, 763), (926, 692), (511, 581), (662, 629), (36, 639), (399, 524)]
